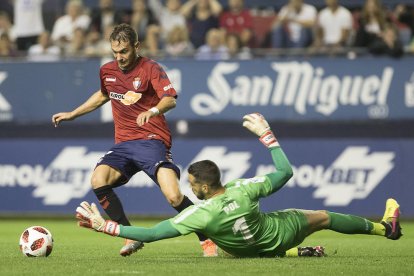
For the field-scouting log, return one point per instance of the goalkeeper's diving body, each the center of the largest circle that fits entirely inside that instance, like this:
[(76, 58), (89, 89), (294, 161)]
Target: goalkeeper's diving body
[(230, 214)]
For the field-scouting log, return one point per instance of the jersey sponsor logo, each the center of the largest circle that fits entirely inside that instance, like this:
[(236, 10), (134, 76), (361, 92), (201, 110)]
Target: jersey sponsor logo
[(299, 85), (136, 83), (128, 98), (174, 75), (353, 175), (5, 107), (165, 88), (67, 177), (108, 79)]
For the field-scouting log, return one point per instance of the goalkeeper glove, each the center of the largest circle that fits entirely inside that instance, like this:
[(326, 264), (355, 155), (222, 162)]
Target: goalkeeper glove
[(257, 124), (89, 217)]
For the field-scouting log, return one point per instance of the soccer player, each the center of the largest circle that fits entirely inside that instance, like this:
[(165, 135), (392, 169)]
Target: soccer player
[(230, 215), (140, 93)]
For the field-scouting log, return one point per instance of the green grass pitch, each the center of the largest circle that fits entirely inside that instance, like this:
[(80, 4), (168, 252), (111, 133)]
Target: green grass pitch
[(79, 251)]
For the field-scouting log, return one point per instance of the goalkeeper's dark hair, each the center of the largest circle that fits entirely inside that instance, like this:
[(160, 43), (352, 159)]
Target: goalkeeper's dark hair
[(206, 172), (125, 33)]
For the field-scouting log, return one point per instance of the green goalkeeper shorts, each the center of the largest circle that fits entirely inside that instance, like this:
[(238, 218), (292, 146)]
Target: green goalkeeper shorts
[(293, 229)]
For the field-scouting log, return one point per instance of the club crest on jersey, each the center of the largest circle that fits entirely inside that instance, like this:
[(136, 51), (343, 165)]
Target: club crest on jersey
[(136, 83)]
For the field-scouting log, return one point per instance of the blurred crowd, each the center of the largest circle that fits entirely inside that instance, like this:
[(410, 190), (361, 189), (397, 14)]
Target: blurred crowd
[(209, 30)]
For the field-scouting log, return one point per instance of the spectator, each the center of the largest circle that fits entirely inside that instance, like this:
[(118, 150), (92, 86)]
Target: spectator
[(97, 46), (168, 17), (65, 26), (178, 43), (5, 24), (145, 24), (388, 43), (405, 16), (236, 50), (28, 22), (44, 50), (202, 15), (294, 25), (333, 28), (411, 46), (238, 20), (6, 6), (76, 47), (214, 49), (6, 46), (370, 24), (105, 16)]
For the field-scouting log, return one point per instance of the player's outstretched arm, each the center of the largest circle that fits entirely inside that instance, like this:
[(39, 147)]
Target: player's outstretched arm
[(89, 217), (95, 101), (258, 125)]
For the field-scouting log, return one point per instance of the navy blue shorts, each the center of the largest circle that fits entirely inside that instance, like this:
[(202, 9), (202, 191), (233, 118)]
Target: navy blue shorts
[(133, 156)]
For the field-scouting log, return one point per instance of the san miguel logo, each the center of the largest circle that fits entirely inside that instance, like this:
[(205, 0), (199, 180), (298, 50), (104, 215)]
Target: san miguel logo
[(136, 83)]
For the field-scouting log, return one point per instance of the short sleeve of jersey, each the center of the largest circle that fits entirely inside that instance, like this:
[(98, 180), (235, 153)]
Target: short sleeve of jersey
[(190, 220), (103, 89), (161, 83), (256, 187)]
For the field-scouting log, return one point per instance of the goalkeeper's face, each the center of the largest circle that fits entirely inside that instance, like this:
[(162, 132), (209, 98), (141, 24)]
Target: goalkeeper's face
[(200, 190)]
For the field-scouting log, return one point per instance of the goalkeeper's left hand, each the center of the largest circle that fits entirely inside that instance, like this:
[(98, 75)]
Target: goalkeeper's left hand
[(89, 217), (256, 123)]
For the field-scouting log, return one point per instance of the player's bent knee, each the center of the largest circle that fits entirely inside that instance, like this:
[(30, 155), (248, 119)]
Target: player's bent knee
[(104, 176), (175, 199), (98, 181)]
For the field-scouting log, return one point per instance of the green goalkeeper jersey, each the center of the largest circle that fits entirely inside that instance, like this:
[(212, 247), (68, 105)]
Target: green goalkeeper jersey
[(233, 219)]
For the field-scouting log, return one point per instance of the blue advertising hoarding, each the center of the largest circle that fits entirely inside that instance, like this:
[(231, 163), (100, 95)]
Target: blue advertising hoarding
[(315, 89), (343, 175)]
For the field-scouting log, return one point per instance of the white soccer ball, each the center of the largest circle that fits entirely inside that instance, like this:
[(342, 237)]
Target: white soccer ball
[(36, 241)]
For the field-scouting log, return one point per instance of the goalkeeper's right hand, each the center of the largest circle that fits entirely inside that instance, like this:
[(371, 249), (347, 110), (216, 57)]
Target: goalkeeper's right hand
[(89, 217), (256, 123)]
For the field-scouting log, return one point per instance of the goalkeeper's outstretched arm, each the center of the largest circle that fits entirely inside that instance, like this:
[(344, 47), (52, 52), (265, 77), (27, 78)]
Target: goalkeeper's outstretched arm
[(163, 230), (89, 217), (283, 169), (257, 124)]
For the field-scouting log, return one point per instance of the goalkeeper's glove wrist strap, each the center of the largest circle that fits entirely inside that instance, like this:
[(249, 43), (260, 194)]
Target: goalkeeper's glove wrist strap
[(268, 139), (111, 228)]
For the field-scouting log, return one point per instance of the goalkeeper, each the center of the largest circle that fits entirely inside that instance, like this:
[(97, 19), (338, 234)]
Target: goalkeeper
[(230, 214)]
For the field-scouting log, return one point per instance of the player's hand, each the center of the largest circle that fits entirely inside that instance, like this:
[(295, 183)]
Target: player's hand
[(144, 117), (89, 217), (62, 116), (256, 123)]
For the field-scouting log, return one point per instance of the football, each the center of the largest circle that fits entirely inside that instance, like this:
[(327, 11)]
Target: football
[(36, 241)]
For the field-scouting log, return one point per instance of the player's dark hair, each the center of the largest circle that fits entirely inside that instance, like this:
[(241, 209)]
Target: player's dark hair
[(206, 172), (125, 33)]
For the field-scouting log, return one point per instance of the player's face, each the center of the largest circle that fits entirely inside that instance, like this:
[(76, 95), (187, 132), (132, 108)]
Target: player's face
[(196, 187), (124, 53)]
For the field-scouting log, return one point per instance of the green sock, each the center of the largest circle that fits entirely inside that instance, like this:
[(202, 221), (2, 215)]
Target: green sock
[(349, 224)]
